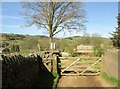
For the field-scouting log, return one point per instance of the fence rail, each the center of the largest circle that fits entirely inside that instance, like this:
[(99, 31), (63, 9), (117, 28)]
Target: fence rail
[(51, 61)]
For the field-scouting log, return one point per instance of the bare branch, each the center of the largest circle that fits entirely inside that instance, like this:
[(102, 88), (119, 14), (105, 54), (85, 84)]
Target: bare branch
[(55, 16)]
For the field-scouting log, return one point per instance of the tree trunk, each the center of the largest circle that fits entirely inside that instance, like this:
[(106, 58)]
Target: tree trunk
[(51, 41)]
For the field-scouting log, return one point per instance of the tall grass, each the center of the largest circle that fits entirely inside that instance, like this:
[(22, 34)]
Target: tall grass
[(112, 79), (55, 80)]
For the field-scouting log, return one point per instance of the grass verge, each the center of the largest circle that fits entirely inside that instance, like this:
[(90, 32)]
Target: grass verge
[(111, 79), (55, 80)]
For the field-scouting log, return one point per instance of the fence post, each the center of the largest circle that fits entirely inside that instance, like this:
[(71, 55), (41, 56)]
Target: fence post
[(55, 64)]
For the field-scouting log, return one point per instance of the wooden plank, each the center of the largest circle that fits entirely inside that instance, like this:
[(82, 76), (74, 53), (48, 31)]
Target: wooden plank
[(90, 66), (71, 65), (76, 71), (86, 74), (78, 57), (80, 70), (76, 67), (66, 58), (90, 74), (66, 74)]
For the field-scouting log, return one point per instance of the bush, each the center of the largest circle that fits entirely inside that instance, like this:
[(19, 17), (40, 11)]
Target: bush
[(6, 50), (15, 48), (98, 51)]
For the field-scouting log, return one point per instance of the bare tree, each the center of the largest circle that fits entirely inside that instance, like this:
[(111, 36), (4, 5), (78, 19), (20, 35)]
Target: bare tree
[(55, 16)]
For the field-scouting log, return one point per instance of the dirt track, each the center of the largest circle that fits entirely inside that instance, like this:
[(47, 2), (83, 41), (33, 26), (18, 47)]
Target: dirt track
[(83, 81)]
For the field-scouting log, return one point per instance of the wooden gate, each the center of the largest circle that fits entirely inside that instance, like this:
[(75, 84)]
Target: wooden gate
[(51, 60), (80, 66)]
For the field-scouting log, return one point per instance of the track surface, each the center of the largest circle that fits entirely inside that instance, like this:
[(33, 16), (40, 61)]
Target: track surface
[(83, 81)]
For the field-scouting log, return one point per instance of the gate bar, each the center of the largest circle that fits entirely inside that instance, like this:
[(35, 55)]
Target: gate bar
[(90, 66), (70, 65)]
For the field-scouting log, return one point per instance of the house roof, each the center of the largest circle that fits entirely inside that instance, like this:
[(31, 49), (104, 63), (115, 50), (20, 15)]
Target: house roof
[(84, 47)]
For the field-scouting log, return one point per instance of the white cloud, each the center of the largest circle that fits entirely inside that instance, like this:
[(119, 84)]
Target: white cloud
[(10, 17)]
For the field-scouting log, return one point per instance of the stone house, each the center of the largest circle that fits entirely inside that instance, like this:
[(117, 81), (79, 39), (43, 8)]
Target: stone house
[(84, 49)]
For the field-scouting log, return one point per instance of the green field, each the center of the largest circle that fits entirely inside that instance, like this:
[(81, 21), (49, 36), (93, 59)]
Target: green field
[(29, 44)]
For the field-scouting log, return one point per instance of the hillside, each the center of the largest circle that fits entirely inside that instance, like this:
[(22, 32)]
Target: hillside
[(29, 43)]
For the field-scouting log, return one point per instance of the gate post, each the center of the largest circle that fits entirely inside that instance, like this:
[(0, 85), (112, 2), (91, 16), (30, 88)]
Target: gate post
[(55, 64)]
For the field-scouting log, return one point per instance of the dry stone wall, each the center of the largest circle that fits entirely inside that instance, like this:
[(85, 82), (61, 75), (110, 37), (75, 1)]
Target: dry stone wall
[(19, 71), (111, 63)]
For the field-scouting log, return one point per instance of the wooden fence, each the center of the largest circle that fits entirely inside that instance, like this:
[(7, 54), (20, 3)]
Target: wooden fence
[(51, 61)]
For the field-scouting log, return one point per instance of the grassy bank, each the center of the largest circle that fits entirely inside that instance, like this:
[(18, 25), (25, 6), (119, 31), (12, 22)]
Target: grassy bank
[(111, 79), (55, 80)]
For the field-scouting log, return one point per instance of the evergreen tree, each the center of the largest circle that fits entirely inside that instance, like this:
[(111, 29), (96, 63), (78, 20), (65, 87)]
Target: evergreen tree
[(116, 34), (12, 48), (17, 48)]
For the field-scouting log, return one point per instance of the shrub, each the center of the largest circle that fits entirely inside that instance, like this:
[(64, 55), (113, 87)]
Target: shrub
[(15, 48), (98, 51)]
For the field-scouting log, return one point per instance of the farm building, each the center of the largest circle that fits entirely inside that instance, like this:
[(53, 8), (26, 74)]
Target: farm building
[(84, 49)]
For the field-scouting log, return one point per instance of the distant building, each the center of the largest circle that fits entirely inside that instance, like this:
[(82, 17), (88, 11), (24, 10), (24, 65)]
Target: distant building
[(84, 49)]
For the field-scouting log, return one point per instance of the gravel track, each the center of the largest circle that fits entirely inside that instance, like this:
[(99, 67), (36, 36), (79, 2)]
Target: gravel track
[(83, 81)]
